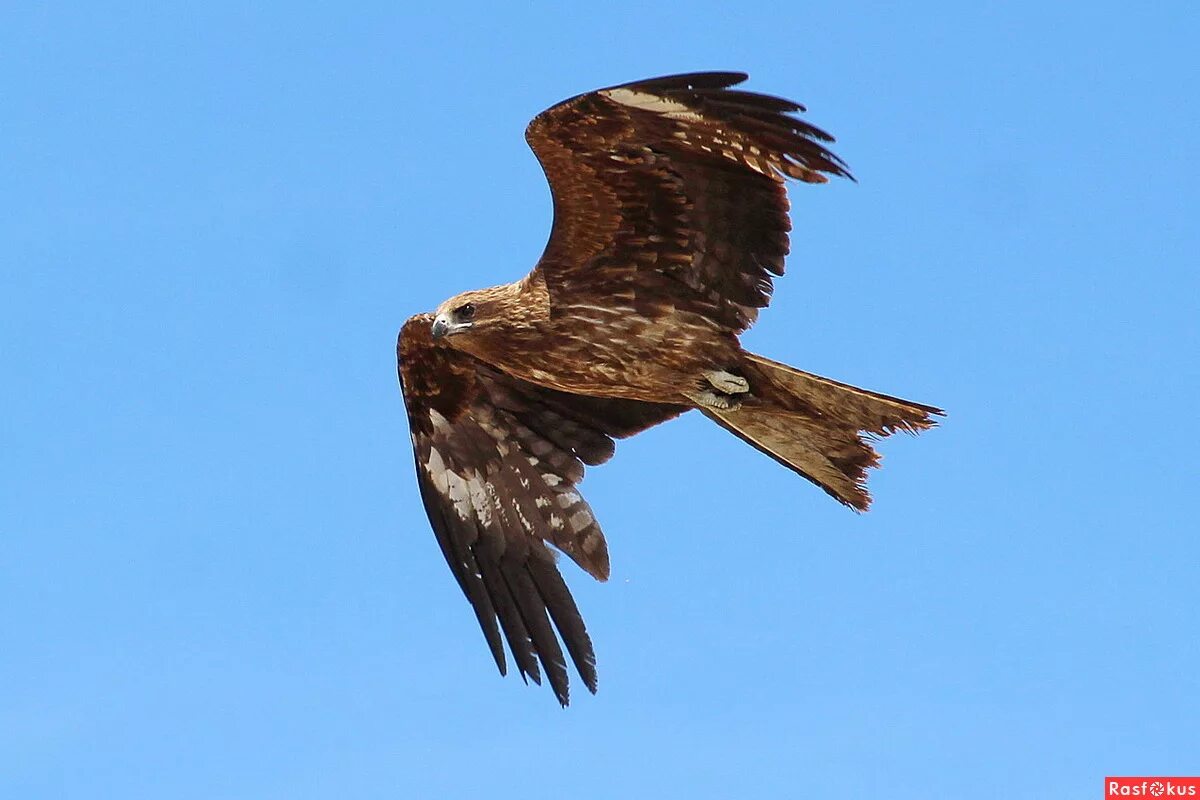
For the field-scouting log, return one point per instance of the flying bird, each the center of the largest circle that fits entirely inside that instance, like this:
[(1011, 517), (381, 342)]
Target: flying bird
[(670, 224)]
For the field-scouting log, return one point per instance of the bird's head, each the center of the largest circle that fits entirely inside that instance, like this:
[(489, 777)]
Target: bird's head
[(470, 312)]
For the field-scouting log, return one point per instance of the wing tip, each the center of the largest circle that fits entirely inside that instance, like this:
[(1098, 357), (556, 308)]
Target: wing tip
[(713, 79)]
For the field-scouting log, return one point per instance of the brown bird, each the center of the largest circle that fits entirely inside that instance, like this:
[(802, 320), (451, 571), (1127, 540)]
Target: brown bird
[(670, 222)]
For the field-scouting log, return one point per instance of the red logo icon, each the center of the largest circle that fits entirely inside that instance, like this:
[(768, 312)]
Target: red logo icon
[(1152, 787)]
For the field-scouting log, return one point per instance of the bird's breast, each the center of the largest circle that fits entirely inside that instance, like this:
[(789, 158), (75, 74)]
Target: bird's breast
[(614, 353)]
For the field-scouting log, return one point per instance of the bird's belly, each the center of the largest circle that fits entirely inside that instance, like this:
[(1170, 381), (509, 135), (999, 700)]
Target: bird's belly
[(621, 356)]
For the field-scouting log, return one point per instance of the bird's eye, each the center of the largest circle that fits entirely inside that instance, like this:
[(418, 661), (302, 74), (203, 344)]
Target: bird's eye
[(465, 312)]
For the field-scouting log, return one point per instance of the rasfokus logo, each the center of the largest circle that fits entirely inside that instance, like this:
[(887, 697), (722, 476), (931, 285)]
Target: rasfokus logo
[(1152, 787)]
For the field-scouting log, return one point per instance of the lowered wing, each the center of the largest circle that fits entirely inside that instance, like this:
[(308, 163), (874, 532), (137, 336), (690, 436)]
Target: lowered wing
[(498, 461)]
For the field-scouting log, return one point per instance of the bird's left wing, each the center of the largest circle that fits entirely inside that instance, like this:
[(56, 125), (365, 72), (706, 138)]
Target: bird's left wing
[(669, 194), (498, 461)]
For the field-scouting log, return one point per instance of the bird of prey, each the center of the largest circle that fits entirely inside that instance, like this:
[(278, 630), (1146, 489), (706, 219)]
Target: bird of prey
[(670, 223)]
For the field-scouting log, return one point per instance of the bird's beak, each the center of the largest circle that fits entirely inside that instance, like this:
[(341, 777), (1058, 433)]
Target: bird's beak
[(445, 327)]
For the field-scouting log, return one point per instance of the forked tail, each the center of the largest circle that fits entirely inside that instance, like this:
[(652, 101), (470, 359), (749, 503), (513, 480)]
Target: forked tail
[(817, 427)]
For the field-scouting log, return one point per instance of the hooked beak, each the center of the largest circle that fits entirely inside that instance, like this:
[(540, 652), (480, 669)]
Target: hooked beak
[(444, 327)]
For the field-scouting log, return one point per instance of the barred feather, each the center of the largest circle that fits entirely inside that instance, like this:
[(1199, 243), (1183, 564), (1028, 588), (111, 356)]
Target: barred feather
[(498, 463)]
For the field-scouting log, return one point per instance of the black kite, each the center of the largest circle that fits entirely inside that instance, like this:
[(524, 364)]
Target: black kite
[(670, 222)]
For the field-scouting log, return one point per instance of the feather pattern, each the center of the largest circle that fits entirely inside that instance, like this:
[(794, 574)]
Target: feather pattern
[(678, 176), (498, 465)]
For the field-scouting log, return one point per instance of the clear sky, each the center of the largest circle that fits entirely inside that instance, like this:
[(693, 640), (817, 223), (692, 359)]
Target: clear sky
[(216, 579)]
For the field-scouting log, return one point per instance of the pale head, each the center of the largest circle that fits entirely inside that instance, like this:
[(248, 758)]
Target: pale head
[(476, 311)]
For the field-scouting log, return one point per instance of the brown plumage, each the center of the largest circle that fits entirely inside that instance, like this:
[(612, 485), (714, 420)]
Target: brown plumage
[(670, 224)]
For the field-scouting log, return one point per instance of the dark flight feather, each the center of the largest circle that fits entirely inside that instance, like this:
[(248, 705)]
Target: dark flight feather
[(680, 176), (498, 460)]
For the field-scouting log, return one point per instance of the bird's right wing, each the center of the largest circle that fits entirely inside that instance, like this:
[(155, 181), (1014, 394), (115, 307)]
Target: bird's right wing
[(497, 462)]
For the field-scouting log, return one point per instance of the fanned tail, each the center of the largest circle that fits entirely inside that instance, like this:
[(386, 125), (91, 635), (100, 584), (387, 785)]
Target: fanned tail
[(817, 427)]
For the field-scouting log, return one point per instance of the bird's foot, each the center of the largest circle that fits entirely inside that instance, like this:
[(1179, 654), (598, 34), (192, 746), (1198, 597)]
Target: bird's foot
[(727, 382), (727, 388), (708, 399)]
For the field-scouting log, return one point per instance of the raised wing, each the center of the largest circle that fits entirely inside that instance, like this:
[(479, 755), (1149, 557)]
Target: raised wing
[(678, 178), (498, 461)]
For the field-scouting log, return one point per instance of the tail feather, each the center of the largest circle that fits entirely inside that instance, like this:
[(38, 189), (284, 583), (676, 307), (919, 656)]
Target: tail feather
[(815, 426)]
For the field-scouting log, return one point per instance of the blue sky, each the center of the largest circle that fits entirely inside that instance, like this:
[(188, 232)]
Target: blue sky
[(215, 575)]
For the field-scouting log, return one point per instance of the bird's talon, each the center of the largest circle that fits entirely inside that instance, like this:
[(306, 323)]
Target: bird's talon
[(727, 382), (721, 402)]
